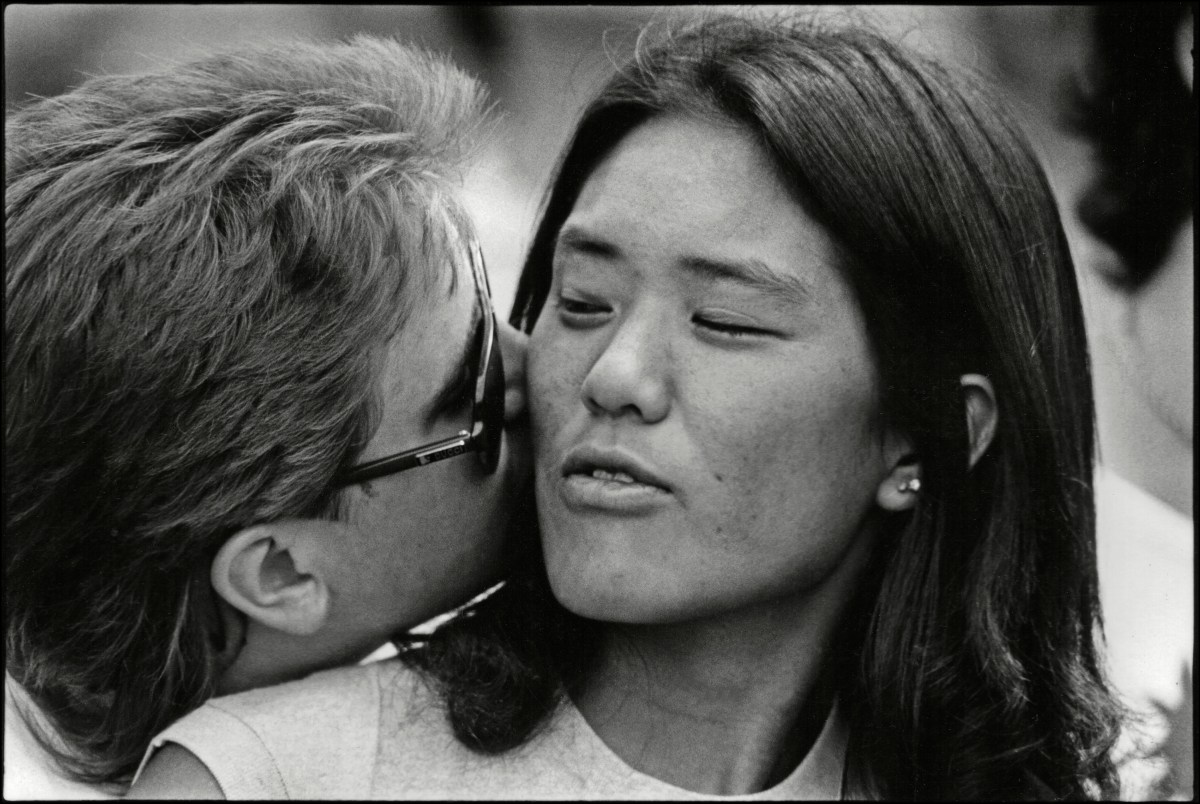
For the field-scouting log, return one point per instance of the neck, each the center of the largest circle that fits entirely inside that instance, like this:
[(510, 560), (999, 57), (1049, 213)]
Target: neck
[(270, 657), (727, 705), (707, 717)]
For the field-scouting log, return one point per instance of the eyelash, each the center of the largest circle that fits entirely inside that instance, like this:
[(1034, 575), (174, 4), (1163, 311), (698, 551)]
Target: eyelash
[(728, 330), (579, 313), (575, 307)]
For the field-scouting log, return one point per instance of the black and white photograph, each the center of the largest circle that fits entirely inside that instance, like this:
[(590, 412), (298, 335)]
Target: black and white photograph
[(584, 402)]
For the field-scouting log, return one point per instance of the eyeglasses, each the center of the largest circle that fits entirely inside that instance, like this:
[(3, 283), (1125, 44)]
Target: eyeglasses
[(487, 409)]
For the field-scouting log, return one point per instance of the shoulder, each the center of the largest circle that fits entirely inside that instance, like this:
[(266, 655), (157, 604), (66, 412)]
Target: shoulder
[(175, 772), (276, 741), (301, 703), (421, 757)]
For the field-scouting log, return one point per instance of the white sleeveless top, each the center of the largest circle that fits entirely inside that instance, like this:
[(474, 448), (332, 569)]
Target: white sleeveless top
[(377, 731)]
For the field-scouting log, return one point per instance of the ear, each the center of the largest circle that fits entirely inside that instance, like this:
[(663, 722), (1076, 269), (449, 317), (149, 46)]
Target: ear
[(900, 489), (268, 573), (982, 414), (896, 492)]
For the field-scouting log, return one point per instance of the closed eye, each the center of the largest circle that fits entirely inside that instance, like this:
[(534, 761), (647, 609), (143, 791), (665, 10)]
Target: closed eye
[(728, 328), (577, 312)]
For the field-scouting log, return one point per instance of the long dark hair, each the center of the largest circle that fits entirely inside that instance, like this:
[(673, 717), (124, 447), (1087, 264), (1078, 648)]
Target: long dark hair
[(970, 663)]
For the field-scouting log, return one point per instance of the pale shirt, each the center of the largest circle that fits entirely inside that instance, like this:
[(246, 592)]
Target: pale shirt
[(30, 774), (379, 732), (1145, 553)]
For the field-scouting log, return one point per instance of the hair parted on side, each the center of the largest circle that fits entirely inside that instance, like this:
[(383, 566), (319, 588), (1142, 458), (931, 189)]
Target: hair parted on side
[(204, 266), (969, 662)]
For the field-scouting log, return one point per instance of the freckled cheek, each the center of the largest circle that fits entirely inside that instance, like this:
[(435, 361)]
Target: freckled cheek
[(764, 453), (739, 457), (737, 425)]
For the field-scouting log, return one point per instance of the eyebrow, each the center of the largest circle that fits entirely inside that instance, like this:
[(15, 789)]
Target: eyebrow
[(578, 239), (753, 273)]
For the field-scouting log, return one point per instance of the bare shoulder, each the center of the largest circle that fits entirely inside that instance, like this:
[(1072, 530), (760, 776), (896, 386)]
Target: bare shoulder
[(175, 772)]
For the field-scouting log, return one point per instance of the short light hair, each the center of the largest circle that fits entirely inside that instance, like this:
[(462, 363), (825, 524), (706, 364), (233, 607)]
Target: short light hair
[(203, 268)]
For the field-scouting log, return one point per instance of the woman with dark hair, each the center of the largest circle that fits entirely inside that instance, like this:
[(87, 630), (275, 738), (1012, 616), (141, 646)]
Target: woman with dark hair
[(813, 444)]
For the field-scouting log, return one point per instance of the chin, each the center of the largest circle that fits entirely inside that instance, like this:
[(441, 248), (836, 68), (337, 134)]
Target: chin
[(618, 594), (590, 591)]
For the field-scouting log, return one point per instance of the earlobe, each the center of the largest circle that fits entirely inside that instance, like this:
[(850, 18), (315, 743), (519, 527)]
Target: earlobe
[(982, 414), (898, 491), (258, 573), (901, 488)]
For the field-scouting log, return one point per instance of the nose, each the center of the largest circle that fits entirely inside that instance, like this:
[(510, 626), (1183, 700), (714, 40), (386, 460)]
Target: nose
[(513, 346), (630, 377)]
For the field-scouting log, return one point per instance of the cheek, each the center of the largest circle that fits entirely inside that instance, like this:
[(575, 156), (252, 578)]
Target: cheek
[(555, 373), (792, 455), (440, 532)]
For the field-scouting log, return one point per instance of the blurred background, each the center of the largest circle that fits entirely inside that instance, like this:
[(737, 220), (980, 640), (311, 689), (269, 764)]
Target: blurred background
[(542, 62)]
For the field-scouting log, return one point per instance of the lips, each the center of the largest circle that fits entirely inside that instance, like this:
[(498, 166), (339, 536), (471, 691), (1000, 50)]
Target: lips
[(608, 481), (612, 465)]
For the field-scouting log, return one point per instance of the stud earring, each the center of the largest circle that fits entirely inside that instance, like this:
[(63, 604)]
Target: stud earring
[(912, 485)]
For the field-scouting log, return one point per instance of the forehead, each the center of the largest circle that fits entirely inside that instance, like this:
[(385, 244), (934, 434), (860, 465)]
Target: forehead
[(690, 190), (672, 158)]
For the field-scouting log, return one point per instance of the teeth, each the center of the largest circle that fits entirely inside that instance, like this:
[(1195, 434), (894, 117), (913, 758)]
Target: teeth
[(619, 477)]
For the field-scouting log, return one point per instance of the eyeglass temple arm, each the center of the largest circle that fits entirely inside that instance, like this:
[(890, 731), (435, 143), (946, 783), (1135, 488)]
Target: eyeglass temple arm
[(430, 453)]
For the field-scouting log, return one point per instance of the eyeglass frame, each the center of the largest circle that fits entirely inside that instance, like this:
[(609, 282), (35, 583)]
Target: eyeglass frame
[(478, 439)]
